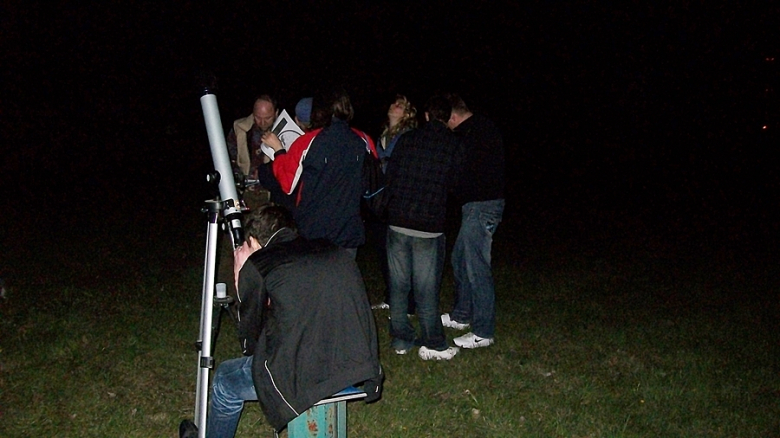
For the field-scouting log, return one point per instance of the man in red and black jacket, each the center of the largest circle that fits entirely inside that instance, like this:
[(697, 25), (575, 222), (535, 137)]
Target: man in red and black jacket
[(325, 165)]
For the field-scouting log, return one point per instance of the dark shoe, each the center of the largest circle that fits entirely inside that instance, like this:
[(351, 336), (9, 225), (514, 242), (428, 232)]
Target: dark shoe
[(188, 429), (373, 387)]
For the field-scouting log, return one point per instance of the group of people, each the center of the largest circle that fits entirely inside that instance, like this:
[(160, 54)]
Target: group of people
[(455, 153), (304, 318)]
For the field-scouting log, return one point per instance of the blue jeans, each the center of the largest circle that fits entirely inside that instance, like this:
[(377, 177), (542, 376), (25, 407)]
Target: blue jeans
[(475, 295), (415, 265), (231, 387), (377, 232)]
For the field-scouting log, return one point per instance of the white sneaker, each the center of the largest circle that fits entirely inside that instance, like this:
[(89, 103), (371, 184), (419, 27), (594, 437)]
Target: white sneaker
[(446, 321), (470, 340), (428, 354), (400, 352), (380, 306)]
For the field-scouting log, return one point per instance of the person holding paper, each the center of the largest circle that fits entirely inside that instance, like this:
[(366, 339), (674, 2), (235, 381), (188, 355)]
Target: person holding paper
[(245, 138), (286, 130), (283, 134), (244, 144)]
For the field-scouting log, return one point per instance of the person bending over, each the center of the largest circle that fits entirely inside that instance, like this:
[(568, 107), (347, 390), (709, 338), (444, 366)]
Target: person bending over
[(304, 323)]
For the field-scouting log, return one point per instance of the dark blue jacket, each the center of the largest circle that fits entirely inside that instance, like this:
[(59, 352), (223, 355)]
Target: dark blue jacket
[(331, 187)]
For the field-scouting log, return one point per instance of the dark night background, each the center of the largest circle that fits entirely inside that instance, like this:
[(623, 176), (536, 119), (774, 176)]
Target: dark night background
[(650, 119)]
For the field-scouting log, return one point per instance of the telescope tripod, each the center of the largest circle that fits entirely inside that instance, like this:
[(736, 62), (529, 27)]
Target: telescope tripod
[(213, 298)]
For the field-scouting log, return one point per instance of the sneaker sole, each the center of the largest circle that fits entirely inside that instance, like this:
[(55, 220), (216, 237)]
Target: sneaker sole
[(457, 327)]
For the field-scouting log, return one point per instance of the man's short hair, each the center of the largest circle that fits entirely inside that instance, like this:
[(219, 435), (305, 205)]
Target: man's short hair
[(267, 220), (438, 108), (267, 98), (457, 104)]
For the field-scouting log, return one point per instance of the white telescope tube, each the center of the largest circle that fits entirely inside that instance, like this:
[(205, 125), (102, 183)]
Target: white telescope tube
[(227, 185)]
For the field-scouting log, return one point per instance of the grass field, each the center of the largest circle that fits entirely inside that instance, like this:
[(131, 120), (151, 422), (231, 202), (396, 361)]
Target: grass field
[(602, 332)]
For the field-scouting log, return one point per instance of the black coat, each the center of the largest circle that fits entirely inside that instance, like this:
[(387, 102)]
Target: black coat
[(424, 168), (484, 170), (318, 334)]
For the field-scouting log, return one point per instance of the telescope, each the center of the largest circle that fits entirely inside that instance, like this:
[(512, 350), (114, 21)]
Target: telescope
[(225, 210), (224, 173)]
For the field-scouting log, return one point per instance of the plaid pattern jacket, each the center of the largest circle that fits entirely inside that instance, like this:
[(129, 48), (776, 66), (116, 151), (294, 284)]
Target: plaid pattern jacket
[(424, 167)]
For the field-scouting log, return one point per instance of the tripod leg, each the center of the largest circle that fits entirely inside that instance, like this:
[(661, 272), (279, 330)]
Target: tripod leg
[(206, 361)]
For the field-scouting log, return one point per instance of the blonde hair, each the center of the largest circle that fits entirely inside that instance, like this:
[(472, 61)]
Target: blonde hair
[(408, 120)]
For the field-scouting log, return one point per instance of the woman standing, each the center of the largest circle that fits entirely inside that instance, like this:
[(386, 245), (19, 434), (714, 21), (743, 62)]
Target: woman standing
[(401, 118)]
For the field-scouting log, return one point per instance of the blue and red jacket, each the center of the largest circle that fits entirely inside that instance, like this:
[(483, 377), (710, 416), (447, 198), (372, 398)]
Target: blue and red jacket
[(326, 166)]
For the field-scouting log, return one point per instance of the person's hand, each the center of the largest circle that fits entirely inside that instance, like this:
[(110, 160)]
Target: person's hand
[(272, 141), (240, 255)]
